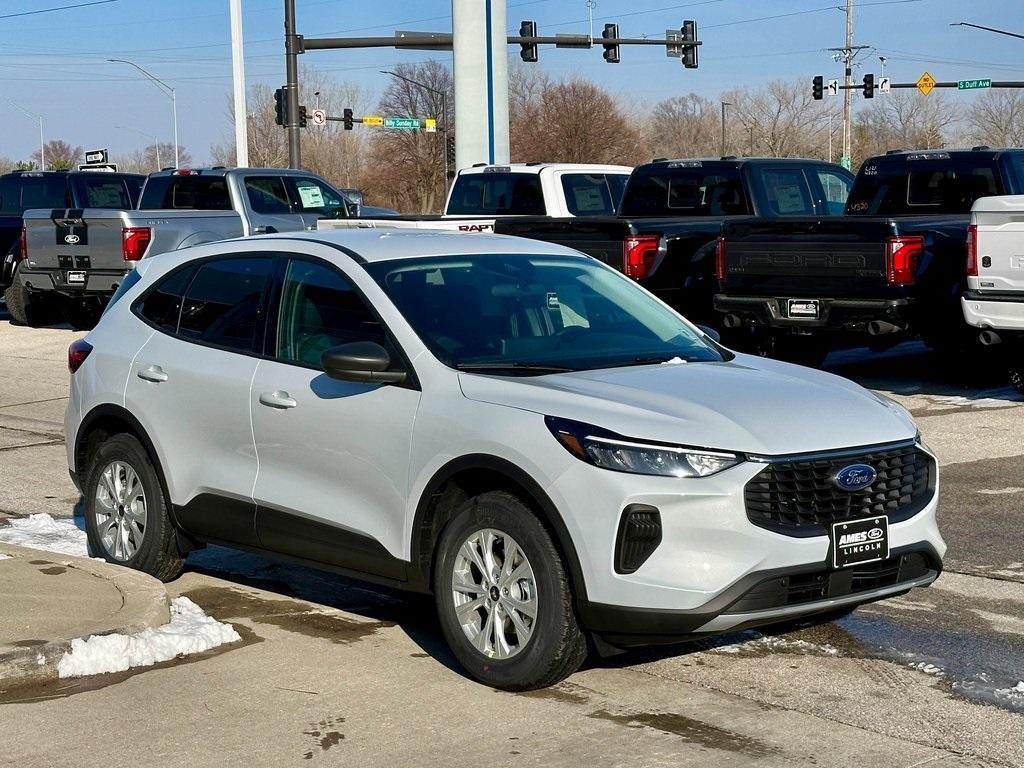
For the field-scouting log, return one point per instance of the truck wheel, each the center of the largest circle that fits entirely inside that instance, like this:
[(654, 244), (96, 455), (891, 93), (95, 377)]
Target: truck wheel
[(1017, 379), (503, 596), (26, 308), (82, 315)]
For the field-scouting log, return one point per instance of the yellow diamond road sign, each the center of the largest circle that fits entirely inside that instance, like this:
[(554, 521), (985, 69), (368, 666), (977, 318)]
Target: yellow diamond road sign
[(375, 120), (925, 83)]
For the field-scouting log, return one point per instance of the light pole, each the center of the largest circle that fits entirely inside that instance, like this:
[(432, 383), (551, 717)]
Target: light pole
[(724, 105), (238, 79), (42, 144), (444, 112), (167, 91), (143, 134)]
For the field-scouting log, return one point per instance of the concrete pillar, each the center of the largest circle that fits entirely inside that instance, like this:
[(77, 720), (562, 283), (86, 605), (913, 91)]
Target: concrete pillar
[(479, 30)]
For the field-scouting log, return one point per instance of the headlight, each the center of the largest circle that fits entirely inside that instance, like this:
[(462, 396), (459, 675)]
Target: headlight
[(620, 454)]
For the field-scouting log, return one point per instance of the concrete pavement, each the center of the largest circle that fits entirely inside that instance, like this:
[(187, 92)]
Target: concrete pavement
[(48, 599)]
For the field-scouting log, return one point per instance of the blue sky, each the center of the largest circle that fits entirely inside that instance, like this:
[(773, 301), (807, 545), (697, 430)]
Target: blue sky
[(55, 63)]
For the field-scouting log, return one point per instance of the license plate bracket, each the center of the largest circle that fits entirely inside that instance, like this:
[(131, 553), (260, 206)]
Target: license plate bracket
[(855, 542), (803, 308)]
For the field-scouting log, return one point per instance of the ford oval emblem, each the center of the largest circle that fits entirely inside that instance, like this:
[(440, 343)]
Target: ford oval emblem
[(71, 239), (855, 477)]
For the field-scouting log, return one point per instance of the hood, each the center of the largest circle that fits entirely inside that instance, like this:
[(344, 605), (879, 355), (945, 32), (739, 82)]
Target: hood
[(749, 404)]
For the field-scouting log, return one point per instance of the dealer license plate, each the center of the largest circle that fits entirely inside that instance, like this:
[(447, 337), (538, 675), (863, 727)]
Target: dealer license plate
[(76, 278), (860, 541), (803, 307)]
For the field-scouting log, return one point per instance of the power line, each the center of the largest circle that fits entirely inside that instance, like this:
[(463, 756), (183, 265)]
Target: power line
[(58, 8)]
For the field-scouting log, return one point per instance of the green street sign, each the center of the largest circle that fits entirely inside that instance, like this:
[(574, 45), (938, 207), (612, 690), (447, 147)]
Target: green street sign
[(970, 85), (402, 122)]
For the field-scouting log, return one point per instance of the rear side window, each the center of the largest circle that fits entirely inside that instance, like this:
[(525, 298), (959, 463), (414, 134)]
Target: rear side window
[(787, 192), (201, 193), (101, 192), (593, 194), (494, 194), (224, 304), (685, 191), (162, 305), (267, 194)]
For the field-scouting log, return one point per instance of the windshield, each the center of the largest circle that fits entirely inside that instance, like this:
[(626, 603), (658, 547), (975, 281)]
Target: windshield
[(531, 314)]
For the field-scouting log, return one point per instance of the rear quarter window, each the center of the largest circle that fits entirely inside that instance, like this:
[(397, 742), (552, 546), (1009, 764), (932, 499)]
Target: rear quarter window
[(497, 194)]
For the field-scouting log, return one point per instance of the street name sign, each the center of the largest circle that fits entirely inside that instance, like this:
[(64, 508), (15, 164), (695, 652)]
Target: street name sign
[(402, 122), (970, 85), (925, 83)]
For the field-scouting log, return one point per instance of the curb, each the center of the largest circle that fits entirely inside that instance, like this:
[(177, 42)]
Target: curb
[(144, 604)]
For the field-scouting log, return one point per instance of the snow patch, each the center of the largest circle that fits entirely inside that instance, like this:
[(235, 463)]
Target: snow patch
[(1000, 491), (43, 532), (674, 361), (996, 398), (4, 557), (778, 644), (189, 631), (928, 668)]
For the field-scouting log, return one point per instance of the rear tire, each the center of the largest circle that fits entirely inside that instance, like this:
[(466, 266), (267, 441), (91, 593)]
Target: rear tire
[(526, 653), (126, 510), (28, 307)]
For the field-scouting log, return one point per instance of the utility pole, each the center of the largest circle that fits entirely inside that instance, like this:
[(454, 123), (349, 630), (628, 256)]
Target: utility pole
[(238, 76), (724, 105), (846, 56), (292, 49)]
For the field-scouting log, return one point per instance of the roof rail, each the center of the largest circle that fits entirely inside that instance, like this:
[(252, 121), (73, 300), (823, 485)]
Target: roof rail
[(980, 147), (659, 160)]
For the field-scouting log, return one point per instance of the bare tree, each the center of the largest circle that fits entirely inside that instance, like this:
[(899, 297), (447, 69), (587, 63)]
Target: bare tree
[(683, 126), (405, 169), (7, 165), (574, 121), (149, 159), (996, 119), (904, 120), (779, 120), (60, 156)]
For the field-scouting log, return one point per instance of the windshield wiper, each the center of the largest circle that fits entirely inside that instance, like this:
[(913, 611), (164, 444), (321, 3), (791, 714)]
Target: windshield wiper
[(513, 366)]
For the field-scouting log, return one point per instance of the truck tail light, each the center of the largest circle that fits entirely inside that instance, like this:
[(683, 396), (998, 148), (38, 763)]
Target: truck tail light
[(639, 253), (720, 258), (972, 250), (902, 255), (77, 352), (24, 243), (134, 242)]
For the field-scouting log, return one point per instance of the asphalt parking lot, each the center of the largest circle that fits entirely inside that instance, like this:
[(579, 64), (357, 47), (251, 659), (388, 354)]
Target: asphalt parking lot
[(338, 673)]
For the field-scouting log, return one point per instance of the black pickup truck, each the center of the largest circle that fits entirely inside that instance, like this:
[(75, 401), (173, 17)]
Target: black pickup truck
[(671, 216), (892, 267), (22, 190)]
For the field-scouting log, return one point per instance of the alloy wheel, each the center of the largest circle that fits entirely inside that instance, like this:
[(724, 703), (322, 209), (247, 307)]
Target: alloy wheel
[(120, 510)]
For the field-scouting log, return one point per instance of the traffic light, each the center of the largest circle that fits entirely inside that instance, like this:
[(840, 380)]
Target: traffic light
[(280, 106), (529, 52), (818, 89), (869, 86), (689, 33), (611, 50), (449, 147), (302, 117), (346, 119)]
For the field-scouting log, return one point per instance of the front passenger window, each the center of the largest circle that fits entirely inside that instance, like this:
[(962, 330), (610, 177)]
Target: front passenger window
[(320, 309)]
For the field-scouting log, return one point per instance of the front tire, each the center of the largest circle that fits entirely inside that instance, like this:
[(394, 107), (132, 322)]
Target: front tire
[(126, 517), (503, 596)]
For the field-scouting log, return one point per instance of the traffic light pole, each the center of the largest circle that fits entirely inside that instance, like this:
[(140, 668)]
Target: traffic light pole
[(293, 47)]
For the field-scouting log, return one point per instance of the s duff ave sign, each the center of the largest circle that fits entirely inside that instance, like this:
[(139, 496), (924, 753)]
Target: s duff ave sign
[(970, 85)]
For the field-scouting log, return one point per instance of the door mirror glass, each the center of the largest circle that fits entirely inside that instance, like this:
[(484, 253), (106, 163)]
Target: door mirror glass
[(361, 361)]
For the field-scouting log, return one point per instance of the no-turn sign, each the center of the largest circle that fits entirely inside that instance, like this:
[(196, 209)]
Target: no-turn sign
[(319, 117)]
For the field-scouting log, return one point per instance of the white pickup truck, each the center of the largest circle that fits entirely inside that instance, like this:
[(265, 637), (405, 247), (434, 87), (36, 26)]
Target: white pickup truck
[(994, 300), (483, 193)]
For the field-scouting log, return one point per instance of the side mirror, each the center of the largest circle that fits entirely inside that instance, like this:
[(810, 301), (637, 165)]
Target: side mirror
[(361, 361), (711, 333), (353, 209)]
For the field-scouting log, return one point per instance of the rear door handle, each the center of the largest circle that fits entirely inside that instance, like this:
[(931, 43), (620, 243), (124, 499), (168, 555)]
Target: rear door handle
[(277, 399), (152, 373)]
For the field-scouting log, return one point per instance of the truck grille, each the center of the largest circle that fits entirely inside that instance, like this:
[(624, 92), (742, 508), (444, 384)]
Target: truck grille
[(800, 497)]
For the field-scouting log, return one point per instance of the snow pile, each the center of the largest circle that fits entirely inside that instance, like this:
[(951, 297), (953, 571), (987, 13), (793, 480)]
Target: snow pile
[(778, 644), (189, 631), (1013, 695), (4, 557), (43, 532), (928, 668), (674, 361)]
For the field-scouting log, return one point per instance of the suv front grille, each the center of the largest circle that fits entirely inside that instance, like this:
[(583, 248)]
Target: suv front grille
[(800, 497)]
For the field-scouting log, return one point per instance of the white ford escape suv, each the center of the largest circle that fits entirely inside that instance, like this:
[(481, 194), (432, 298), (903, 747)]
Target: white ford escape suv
[(507, 424)]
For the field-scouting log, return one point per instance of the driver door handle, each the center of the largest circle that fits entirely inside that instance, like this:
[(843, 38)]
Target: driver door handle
[(277, 399), (152, 373)]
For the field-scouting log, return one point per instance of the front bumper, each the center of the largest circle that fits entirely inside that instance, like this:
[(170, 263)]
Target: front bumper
[(1000, 312), (833, 314), (767, 597), (98, 282)]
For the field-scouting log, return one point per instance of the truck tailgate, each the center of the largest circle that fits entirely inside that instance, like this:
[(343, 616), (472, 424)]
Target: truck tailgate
[(75, 239), (806, 257), (1000, 245), (600, 237)]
